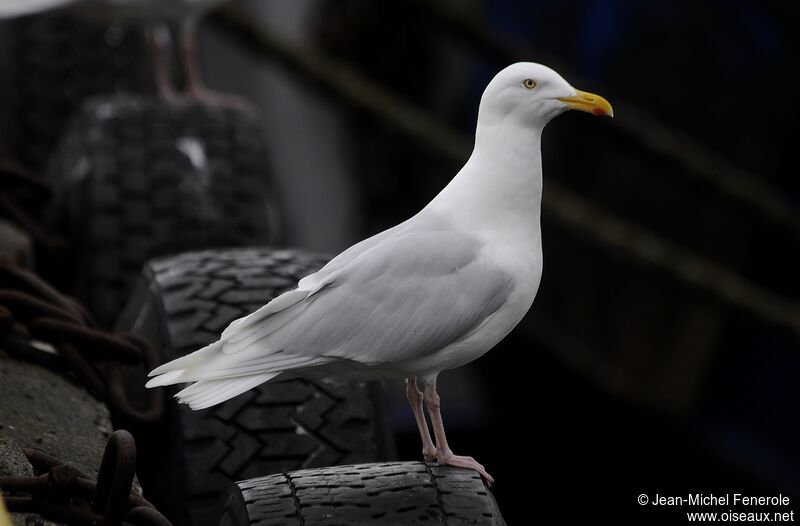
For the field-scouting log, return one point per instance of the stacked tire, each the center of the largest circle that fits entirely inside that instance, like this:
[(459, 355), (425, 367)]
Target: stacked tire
[(158, 198), (56, 60), (140, 177), (395, 493), (184, 302)]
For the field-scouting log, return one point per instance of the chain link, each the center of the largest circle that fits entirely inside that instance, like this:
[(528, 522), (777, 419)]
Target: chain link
[(32, 311), (61, 492)]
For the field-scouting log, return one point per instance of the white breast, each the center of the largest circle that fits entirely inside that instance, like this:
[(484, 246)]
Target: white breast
[(523, 261)]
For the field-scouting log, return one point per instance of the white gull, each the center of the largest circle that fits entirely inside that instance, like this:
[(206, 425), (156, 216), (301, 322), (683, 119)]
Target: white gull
[(428, 295)]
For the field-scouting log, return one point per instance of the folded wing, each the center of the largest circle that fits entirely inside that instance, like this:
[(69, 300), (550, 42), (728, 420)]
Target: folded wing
[(404, 297)]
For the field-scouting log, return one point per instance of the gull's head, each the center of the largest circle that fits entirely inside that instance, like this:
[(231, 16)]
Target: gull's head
[(532, 94)]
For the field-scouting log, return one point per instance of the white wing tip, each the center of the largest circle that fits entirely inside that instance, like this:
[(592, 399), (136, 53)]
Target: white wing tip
[(158, 370), (207, 393), (168, 378)]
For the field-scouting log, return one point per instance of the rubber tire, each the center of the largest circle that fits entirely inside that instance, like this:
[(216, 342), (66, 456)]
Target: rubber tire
[(183, 303), (127, 190), (402, 493), (56, 60)]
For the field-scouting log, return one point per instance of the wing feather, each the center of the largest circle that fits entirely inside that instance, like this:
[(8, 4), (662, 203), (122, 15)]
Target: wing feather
[(392, 298), (406, 297)]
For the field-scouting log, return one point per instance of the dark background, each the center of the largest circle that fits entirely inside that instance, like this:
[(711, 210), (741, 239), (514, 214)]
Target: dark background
[(623, 379), (659, 357)]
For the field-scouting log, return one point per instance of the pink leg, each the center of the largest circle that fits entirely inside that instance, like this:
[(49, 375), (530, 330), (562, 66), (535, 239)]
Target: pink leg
[(195, 86), (159, 44), (444, 454), (415, 398)]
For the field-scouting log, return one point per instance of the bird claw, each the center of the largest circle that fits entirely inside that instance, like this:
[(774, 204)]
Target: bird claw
[(466, 463)]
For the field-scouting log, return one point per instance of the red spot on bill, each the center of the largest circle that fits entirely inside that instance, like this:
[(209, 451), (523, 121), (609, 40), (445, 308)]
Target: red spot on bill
[(599, 111)]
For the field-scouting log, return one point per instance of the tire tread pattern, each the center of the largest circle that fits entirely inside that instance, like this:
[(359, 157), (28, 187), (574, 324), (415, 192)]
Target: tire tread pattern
[(407, 493), (275, 427), (141, 177)]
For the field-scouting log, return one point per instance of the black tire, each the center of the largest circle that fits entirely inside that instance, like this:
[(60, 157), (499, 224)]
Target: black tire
[(138, 178), (183, 303), (402, 493), (56, 60)]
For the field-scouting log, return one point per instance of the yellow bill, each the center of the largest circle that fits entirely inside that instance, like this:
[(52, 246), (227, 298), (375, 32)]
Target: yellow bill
[(590, 103)]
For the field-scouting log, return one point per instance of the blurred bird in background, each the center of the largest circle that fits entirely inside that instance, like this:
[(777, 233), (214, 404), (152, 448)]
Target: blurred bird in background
[(156, 17)]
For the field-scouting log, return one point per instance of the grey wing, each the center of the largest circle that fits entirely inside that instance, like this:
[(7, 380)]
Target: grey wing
[(405, 297)]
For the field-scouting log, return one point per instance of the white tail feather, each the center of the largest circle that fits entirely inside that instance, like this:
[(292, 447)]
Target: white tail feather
[(206, 353), (267, 364), (206, 393), (230, 368), (239, 361), (168, 378)]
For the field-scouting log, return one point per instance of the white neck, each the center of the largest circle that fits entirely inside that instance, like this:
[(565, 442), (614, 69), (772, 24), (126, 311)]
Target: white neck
[(499, 189)]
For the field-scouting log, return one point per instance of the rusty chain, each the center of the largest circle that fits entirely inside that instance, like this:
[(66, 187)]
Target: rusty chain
[(61, 492), (23, 194), (39, 324), (33, 312)]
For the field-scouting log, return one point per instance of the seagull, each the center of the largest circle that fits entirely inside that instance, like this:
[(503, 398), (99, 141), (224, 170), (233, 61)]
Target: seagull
[(425, 296)]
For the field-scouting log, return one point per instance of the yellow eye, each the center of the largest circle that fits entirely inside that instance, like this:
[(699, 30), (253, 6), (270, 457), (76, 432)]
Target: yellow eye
[(529, 83)]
